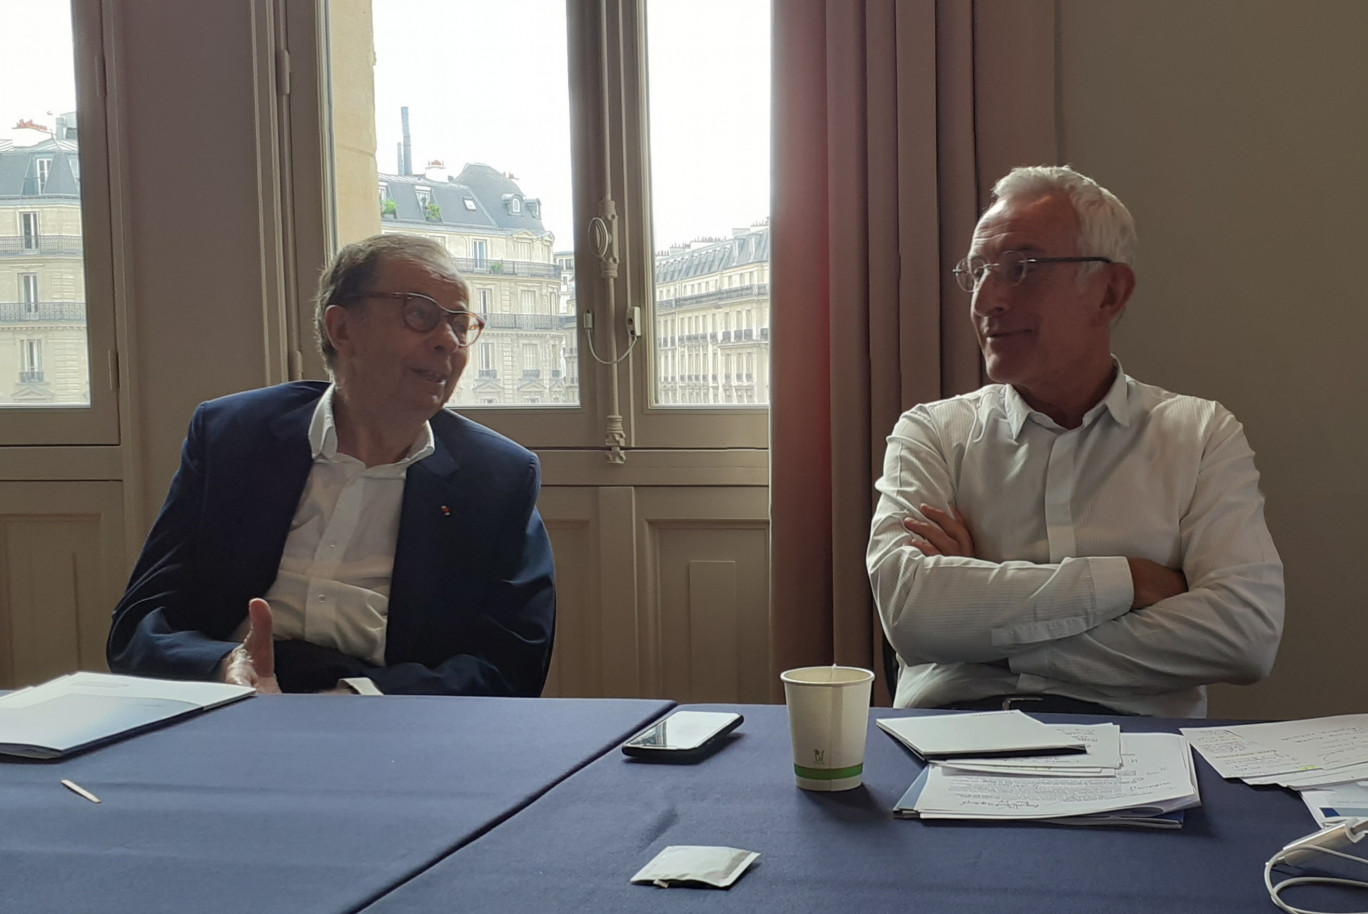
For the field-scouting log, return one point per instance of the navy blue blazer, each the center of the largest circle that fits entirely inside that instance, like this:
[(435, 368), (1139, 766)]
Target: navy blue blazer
[(472, 599)]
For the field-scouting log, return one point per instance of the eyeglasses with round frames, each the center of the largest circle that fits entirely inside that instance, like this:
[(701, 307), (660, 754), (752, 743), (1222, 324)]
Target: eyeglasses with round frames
[(1011, 267), (421, 314)]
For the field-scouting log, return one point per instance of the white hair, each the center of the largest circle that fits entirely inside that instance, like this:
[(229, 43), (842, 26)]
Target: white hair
[(1105, 226)]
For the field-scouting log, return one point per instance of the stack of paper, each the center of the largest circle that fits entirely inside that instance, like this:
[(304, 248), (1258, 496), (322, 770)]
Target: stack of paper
[(988, 733), (1154, 781), (1325, 758), (82, 710), (1006, 765)]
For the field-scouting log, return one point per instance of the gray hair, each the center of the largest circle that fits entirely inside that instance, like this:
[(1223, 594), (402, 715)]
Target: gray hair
[(348, 278), (1105, 226)]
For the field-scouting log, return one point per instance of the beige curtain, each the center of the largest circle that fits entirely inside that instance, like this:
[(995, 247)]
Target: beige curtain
[(892, 119)]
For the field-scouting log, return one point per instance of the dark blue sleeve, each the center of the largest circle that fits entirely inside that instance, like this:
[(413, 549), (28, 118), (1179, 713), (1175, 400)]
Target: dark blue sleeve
[(160, 627)]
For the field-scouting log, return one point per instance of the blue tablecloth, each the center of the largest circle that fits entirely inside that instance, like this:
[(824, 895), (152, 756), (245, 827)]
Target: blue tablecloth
[(287, 803), (577, 846)]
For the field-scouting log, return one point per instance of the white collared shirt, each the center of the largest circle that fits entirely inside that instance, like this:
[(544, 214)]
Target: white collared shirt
[(333, 585), (1054, 514)]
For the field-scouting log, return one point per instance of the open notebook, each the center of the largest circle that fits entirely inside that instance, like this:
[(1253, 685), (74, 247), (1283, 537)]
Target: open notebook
[(77, 712)]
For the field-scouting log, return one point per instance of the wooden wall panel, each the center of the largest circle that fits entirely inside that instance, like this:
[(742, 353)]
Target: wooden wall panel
[(661, 592), (705, 593), (61, 572), (571, 519)]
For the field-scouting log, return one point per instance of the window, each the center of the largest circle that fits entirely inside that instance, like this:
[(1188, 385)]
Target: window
[(28, 230), (484, 301), (596, 68), (56, 313), (30, 361), (28, 292)]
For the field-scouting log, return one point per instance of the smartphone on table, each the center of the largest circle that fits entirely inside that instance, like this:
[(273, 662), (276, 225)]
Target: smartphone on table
[(684, 736)]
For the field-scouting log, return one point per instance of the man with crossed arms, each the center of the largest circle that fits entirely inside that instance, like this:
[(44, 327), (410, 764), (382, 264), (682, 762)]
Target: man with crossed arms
[(1068, 538)]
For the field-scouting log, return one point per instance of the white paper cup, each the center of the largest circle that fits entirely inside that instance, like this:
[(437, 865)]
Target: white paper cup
[(828, 708)]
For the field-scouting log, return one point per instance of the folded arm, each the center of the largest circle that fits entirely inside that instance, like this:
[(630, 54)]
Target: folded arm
[(954, 608), (1225, 628)]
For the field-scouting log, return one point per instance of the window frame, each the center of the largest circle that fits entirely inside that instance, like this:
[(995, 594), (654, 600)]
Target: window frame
[(101, 210)]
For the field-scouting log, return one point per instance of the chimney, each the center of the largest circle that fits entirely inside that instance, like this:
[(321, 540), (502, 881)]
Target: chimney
[(408, 144)]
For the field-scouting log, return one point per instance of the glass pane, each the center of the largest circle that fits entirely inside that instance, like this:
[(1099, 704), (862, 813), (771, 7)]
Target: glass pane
[(44, 355), (709, 71), (463, 135)]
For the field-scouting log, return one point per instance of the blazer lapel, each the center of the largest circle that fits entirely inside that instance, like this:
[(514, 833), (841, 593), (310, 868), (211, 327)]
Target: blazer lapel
[(429, 521), (286, 459)]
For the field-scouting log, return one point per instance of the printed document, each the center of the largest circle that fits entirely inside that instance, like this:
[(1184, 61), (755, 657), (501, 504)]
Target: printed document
[(1156, 777)]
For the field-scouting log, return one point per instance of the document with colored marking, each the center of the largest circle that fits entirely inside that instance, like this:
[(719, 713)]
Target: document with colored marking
[(1287, 752)]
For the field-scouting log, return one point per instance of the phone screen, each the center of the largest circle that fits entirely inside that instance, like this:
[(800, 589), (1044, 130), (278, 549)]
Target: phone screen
[(683, 730)]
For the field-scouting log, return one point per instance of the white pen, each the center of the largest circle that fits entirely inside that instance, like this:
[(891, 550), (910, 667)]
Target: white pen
[(79, 790)]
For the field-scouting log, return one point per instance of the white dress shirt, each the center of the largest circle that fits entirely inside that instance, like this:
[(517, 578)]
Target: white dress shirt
[(1044, 607), (333, 585)]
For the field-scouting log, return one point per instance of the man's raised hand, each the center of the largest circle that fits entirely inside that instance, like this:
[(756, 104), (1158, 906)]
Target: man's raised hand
[(252, 663)]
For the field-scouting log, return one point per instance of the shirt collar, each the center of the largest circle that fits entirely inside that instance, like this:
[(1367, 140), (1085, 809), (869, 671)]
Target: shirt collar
[(323, 434), (1115, 401)]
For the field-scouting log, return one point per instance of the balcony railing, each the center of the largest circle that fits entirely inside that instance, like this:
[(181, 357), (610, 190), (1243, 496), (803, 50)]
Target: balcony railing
[(517, 321), (31, 377), (754, 290), (29, 245), (488, 267), (531, 374), (19, 312), (486, 374)]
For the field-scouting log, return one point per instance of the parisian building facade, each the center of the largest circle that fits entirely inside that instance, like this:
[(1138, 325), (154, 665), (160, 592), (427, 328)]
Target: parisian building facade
[(712, 321), (44, 356)]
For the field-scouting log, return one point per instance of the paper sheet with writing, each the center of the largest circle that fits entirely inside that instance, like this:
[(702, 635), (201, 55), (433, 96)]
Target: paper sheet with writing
[(1101, 758), (1316, 777), (1156, 775), (1259, 750)]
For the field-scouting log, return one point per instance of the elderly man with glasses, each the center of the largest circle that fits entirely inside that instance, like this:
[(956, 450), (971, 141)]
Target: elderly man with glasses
[(352, 536), (1068, 538)]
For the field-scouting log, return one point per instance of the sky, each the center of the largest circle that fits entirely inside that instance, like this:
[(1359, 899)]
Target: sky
[(487, 82), (36, 75)]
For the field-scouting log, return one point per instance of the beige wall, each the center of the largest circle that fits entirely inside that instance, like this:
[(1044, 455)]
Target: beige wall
[(1237, 132)]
